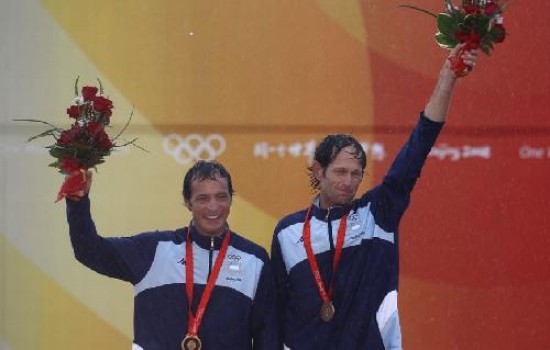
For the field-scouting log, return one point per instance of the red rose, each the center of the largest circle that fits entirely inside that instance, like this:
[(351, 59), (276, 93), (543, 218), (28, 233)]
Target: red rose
[(102, 104), (65, 138), (472, 38), (470, 9), (98, 136), (461, 36), (89, 92), (94, 128), (75, 130), (69, 165), (104, 143), (491, 8), (73, 111)]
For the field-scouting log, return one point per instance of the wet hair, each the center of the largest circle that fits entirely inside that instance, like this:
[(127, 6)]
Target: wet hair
[(205, 170), (328, 150)]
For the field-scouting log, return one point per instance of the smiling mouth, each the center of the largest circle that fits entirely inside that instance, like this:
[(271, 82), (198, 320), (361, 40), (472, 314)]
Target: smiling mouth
[(347, 193)]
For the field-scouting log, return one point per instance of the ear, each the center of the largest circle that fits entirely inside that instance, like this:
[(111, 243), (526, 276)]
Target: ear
[(187, 204), (317, 170)]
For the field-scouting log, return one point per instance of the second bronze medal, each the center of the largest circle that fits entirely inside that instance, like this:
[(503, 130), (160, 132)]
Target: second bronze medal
[(191, 343), (327, 308), (327, 311)]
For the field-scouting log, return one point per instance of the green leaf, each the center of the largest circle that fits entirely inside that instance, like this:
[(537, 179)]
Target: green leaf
[(131, 143), (486, 49), (49, 132), (125, 126), (497, 34), (76, 86), (35, 121), (458, 16), (445, 41), (100, 87), (55, 164), (469, 22), (504, 6), (419, 9), (141, 148), (489, 44), (446, 24), (481, 25)]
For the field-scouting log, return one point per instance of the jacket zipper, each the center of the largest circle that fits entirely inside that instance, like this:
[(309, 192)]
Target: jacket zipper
[(331, 243), (210, 254)]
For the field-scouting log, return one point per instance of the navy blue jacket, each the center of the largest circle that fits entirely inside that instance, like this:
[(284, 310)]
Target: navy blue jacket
[(365, 285), (241, 310)]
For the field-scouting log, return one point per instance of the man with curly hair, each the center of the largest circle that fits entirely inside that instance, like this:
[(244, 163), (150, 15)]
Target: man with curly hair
[(336, 262)]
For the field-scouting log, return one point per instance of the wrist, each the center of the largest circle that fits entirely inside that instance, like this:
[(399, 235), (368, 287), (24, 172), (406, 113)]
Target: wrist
[(447, 79)]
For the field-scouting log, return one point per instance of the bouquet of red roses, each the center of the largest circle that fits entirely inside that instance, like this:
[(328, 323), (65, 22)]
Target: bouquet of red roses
[(477, 24), (86, 143)]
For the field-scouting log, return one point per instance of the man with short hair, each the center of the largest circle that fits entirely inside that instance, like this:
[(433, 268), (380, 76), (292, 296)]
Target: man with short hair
[(336, 262), (197, 287)]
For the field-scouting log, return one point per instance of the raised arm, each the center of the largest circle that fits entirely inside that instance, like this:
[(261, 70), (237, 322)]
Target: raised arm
[(125, 258), (405, 170), (438, 104)]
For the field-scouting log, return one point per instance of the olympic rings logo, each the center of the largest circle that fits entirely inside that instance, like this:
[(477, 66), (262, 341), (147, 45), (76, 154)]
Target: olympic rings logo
[(193, 147)]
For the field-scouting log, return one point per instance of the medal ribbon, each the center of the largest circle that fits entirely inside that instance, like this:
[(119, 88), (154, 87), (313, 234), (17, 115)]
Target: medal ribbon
[(195, 320), (326, 297)]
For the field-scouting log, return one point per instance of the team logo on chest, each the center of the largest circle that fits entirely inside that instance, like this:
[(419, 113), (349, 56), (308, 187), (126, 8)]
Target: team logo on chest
[(353, 219), (234, 269), (354, 224)]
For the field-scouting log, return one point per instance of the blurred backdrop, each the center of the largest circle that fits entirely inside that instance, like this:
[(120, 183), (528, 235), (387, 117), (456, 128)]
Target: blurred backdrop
[(256, 84)]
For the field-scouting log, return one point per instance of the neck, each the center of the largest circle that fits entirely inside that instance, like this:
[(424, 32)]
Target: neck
[(325, 204), (209, 235)]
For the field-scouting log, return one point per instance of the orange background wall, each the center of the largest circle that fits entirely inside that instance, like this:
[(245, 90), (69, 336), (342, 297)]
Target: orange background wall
[(269, 79)]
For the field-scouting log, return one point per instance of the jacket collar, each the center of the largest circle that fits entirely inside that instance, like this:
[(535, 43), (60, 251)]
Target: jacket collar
[(331, 213), (205, 241)]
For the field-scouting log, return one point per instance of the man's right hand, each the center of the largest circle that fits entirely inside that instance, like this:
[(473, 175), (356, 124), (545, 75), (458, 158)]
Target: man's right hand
[(77, 196)]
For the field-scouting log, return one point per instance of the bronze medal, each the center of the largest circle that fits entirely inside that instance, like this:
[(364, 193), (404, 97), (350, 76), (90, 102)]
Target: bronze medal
[(191, 342), (327, 311)]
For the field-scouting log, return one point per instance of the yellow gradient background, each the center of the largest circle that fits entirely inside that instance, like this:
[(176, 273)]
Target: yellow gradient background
[(278, 73)]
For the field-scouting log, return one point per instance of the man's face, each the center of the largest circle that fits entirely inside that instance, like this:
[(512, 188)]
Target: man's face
[(210, 204), (339, 182)]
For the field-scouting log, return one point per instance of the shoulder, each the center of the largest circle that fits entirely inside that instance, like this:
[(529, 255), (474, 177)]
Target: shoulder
[(157, 236), (290, 220), (368, 197), (245, 245)]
